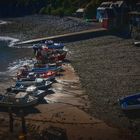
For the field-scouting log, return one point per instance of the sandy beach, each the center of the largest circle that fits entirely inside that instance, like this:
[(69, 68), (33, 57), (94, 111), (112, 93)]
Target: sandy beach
[(85, 98), (66, 109)]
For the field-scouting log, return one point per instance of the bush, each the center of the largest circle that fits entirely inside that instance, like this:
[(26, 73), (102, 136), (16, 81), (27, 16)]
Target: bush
[(58, 12), (69, 12), (90, 10), (45, 10)]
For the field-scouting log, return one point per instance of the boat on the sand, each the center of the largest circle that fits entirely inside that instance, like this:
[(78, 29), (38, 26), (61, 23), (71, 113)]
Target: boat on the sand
[(130, 102), (57, 57), (34, 91), (48, 76), (20, 100), (48, 44), (46, 69), (52, 45), (23, 85), (31, 90)]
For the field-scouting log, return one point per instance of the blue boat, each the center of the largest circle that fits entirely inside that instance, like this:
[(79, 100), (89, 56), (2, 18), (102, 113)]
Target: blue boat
[(45, 69), (56, 46), (23, 85), (51, 45), (130, 102), (32, 77)]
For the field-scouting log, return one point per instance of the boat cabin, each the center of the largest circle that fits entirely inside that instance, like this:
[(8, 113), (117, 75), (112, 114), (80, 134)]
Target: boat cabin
[(31, 89)]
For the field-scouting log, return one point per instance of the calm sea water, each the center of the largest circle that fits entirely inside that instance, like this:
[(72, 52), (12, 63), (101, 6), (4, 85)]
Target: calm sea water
[(10, 54)]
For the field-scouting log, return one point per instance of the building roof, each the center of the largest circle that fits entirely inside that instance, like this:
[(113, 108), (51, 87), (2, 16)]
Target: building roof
[(119, 3), (111, 4), (80, 10), (106, 4)]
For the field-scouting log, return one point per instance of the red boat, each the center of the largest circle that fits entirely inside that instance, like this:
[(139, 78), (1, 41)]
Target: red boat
[(48, 74), (58, 57)]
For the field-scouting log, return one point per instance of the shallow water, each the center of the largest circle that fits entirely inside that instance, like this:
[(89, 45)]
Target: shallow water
[(10, 55)]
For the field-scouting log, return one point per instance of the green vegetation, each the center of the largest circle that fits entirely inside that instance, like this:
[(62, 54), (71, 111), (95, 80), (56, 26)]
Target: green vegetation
[(53, 7), (68, 7)]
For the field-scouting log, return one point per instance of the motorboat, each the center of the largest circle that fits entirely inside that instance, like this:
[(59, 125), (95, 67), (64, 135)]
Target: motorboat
[(20, 100), (39, 83), (130, 102)]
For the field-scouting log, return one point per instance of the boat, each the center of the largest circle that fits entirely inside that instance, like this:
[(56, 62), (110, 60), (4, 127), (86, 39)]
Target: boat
[(23, 85), (45, 55), (40, 65), (48, 76), (46, 69), (33, 90), (58, 57), (35, 72), (20, 100), (130, 102), (51, 45)]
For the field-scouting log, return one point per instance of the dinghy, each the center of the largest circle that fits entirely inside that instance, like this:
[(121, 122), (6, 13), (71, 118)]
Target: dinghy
[(51, 45), (23, 85), (20, 100), (130, 102), (46, 69)]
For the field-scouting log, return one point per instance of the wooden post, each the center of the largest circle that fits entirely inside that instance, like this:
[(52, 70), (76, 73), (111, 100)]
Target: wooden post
[(10, 119), (23, 134), (23, 122)]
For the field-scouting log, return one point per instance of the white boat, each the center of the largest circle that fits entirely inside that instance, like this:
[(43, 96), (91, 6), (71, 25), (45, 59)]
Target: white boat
[(23, 85), (33, 90)]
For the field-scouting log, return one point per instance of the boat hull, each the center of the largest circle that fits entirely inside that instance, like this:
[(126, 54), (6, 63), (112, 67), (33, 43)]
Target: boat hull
[(131, 102), (19, 105)]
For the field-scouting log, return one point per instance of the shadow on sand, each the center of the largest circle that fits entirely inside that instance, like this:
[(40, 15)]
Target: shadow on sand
[(133, 114), (16, 111)]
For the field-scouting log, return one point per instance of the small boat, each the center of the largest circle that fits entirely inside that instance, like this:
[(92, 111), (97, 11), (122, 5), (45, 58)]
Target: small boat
[(40, 65), (33, 90), (130, 102), (46, 69), (39, 83), (47, 76), (58, 56), (37, 71), (51, 45), (20, 100)]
